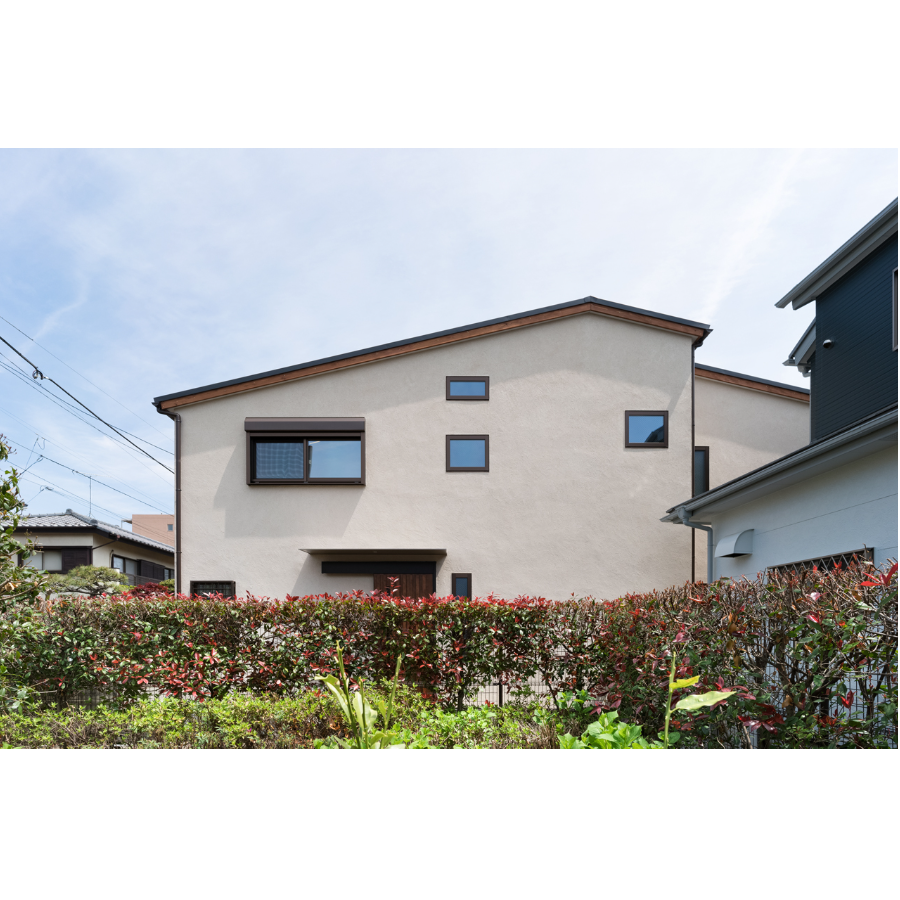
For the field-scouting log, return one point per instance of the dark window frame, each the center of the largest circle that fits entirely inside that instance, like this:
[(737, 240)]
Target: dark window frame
[(213, 581), (470, 437), (485, 378), (694, 491), (467, 576), (305, 436), (39, 548), (168, 571), (664, 444)]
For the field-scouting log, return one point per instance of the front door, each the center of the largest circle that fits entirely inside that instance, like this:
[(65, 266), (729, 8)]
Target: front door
[(406, 585)]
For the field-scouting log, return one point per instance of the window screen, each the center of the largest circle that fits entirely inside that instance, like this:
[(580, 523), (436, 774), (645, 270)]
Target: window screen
[(281, 459)]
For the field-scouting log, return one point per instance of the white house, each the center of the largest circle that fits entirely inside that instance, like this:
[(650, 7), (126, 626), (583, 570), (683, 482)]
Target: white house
[(522, 455), (837, 496)]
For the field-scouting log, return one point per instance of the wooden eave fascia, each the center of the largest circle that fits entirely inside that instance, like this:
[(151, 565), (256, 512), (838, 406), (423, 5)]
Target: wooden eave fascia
[(753, 385), (389, 352)]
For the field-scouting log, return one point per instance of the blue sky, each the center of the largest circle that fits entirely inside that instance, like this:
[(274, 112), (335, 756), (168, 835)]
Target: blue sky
[(154, 271)]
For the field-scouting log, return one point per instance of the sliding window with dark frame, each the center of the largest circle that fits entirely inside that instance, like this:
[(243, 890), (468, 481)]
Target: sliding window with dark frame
[(306, 451), (468, 453), (461, 584), (468, 387), (647, 428)]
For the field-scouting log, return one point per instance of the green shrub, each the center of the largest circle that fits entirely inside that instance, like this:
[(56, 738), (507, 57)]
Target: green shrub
[(810, 657)]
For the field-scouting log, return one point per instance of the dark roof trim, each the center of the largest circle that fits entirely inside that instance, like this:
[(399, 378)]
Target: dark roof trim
[(762, 383), (95, 529), (867, 239), (851, 432), (588, 304)]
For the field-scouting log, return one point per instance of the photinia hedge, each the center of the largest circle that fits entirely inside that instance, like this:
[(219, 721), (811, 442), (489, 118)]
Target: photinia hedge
[(813, 655)]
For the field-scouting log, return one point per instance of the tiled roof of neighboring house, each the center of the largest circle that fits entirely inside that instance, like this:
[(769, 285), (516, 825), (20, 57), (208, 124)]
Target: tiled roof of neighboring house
[(423, 342), (69, 521), (752, 382)]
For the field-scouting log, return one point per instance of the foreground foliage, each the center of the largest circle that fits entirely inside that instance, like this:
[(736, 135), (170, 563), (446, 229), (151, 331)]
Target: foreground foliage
[(308, 720)]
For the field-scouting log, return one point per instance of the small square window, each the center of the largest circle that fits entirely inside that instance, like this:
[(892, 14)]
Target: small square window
[(170, 527), (461, 584), (647, 428), (468, 387), (468, 453)]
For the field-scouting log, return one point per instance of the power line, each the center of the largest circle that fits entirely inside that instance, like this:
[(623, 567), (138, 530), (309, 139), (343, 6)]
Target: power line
[(64, 404), (72, 410), (38, 373), (77, 455), (88, 380), (76, 472), (57, 489)]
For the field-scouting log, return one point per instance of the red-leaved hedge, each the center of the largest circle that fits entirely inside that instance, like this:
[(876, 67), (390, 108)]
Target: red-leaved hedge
[(813, 656)]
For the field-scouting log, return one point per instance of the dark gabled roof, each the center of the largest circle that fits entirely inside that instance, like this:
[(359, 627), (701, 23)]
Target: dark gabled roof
[(410, 345), (73, 521), (762, 382), (867, 239)]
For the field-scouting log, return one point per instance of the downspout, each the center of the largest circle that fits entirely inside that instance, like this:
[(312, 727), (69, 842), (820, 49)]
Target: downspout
[(685, 516), (176, 418)]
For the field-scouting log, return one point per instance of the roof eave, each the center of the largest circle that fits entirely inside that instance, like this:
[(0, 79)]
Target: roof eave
[(867, 239), (697, 330)]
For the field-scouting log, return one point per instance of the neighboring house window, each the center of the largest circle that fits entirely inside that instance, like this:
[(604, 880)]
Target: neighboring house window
[(647, 428), (305, 451), (701, 470), (468, 387), (45, 561), (140, 571), (895, 309), (825, 563), (461, 584), (225, 588), (170, 527), (467, 453)]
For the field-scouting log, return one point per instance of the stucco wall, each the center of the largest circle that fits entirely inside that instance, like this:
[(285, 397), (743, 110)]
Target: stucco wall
[(846, 509), (565, 508), (744, 429)]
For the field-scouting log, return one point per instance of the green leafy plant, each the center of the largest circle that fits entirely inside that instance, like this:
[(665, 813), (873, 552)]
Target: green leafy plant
[(360, 715), (90, 580), (607, 733), (691, 703)]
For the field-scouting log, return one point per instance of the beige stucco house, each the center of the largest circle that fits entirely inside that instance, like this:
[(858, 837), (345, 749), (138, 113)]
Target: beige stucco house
[(523, 455)]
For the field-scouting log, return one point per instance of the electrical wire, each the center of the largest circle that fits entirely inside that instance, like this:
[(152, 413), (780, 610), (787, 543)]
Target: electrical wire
[(76, 472), (38, 373), (88, 380), (77, 414), (57, 489), (83, 458)]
